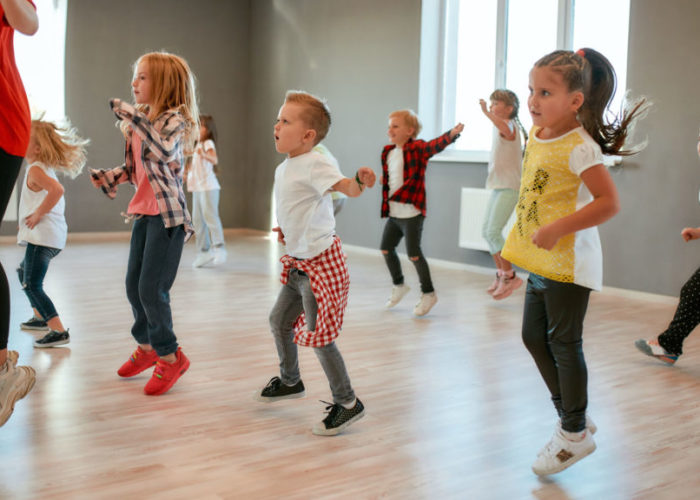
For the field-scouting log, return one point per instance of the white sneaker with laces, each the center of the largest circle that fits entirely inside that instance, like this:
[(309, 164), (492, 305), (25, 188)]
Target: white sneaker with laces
[(202, 259), (590, 427), (561, 453), (15, 383), (220, 255), (425, 304), (398, 292)]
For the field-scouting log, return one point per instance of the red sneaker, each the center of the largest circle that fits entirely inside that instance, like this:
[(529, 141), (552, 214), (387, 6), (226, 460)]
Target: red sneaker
[(139, 361), (166, 374)]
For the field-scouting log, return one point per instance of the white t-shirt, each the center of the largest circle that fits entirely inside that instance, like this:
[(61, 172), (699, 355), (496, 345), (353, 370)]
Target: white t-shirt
[(394, 163), (304, 205), (201, 176), (52, 230), (505, 162)]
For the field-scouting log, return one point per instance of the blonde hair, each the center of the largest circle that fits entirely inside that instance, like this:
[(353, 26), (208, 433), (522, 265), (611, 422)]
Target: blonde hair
[(410, 118), (173, 88), (315, 113), (59, 147)]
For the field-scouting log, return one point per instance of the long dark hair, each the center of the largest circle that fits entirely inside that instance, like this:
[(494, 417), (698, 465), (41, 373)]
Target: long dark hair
[(510, 99), (210, 125), (590, 72)]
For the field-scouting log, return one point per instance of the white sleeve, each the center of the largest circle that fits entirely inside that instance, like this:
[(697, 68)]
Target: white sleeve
[(209, 145), (585, 156), (324, 174)]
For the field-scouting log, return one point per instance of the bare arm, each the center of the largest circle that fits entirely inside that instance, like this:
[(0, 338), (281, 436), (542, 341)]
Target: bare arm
[(690, 233), (21, 15), (353, 187), (209, 155), (37, 180), (604, 206), (499, 123)]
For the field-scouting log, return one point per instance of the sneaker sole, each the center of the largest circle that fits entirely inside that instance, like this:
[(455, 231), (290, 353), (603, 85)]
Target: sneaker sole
[(129, 375), (389, 304), (16, 395), (322, 431), (197, 265), (52, 344), (35, 328), (508, 292), (566, 465), (259, 397), (644, 347), (172, 382)]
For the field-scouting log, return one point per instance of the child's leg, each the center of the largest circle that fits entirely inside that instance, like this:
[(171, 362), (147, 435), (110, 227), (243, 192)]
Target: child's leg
[(413, 230), (282, 318), (32, 272), (390, 240), (201, 231), (210, 214), (686, 318), (498, 211)]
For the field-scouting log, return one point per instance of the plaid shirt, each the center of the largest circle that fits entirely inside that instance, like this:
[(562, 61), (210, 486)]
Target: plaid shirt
[(416, 154), (162, 158), (330, 283)]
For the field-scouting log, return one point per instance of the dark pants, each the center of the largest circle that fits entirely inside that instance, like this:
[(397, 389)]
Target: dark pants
[(686, 318), (153, 260), (552, 330), (31, 274), (412, 229), (9, 168)]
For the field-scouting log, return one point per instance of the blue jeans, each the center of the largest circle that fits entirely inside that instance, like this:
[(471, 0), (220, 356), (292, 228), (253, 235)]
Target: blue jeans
[(296, 296), (31, 274), (154, 257), (205, 219)]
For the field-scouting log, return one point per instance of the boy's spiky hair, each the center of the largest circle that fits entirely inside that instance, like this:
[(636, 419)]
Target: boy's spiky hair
[(315, 113), (410, 118)]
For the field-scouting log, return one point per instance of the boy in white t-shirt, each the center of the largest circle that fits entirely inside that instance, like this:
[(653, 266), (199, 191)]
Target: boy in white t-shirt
[(310, 307)]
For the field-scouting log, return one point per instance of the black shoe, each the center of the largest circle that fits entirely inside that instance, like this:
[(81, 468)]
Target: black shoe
[(338, 418), (53, 338), (35, 324), (276, 390)]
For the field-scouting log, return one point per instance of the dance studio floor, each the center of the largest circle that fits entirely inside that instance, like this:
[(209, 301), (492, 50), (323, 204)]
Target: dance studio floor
[(455, 406)]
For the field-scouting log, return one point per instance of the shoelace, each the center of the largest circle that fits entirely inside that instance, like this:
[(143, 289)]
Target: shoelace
[(159, 370), (332, 409)]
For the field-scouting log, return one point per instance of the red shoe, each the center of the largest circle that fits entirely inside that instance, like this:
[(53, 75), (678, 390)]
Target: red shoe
[(139, 361), (166, 374)]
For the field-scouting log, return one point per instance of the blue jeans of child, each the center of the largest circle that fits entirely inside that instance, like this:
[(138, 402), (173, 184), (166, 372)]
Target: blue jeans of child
[(296, 296), (31, 274), (208, 230), (154, 257), (552, 332), (412, 229)]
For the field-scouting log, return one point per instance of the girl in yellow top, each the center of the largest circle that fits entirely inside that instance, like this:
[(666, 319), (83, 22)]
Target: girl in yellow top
[(565, 193)]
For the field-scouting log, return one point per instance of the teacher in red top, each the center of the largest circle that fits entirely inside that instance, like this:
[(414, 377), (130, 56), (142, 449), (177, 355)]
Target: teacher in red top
[(15, 121)]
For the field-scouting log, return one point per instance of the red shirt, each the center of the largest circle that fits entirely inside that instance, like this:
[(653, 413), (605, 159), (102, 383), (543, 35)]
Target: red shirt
[(15, 118)]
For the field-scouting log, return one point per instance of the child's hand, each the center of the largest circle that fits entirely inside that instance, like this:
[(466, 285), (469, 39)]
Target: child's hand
[(280, 236), (94, 181), (545, 237), (690, 233), (484, 108), (456, 130), (32, 220), (366, 176)]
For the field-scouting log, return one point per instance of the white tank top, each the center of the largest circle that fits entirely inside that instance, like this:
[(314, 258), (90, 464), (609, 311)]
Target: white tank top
[(52, 228)]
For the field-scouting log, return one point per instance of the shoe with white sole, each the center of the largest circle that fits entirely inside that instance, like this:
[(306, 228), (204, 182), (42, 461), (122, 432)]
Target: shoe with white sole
[(561, 453), (398, 292), (425, 304)]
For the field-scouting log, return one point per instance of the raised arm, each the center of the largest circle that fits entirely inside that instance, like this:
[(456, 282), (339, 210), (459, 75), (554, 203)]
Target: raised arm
[(353, 187), (439, 143), (502, 125), (21, 15), (37, 180)]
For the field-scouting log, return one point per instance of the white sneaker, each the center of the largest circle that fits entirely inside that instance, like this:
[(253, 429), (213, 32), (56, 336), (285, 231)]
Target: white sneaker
[(15, 383), (202, 259), (561, 453), (425, 304), (398, 292), (220, 255), (590, 427)]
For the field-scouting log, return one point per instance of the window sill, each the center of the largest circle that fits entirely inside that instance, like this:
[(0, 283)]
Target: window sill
[(457, 156)]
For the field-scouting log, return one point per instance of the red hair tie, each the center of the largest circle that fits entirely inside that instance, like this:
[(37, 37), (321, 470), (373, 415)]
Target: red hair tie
[(581, 52)]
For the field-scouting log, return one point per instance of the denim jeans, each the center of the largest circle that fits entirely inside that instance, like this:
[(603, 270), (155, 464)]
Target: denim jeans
[(552, 332), (412, 229), (154, 257), (208, 230), (296, 296), (31, 274)]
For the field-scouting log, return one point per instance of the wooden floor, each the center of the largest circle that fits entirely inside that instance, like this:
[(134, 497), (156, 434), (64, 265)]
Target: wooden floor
[(455, 406)]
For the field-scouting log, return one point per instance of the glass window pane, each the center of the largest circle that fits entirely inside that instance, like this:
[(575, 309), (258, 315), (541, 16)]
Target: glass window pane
[(476, 55)]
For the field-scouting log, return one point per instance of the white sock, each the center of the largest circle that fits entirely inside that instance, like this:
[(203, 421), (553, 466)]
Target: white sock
[(350, 406)]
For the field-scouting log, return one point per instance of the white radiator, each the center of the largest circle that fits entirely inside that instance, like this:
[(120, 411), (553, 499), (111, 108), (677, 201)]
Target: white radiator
[(471, 218)]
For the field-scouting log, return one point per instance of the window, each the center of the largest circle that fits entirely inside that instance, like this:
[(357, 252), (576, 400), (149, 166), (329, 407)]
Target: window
[(471, 47)]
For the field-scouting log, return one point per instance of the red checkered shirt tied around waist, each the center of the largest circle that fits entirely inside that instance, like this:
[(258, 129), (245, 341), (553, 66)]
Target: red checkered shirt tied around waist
[(416, 153), (330, 284)]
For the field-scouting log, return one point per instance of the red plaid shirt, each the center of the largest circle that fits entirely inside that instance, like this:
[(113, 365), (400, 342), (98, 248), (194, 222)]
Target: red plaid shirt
[(416, 154), (330, 283)]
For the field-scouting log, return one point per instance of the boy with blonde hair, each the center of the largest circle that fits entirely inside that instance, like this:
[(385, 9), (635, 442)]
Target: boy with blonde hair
[(311, 304), (403, 201)]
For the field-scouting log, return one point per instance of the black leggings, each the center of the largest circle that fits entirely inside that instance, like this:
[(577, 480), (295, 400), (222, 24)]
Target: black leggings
[(412, 229), (9, 169), (686, 318)]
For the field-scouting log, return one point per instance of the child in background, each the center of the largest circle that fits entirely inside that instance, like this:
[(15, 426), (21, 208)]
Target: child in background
[(42, 224), (403, 201), (566, 191), (205, 189), (311, 304), (504, 181), (668, 346), (159, 131)]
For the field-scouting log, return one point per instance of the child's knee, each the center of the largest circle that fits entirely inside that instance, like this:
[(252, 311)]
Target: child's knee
[(415, 259), (385, 252)]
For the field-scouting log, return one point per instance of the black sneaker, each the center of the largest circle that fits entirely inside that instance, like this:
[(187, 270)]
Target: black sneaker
[(338, 418), (276, 390), (53, 338), (35, 324)]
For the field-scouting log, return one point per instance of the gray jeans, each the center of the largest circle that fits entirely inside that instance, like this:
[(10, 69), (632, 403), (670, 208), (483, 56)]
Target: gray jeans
[(296, 296)]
